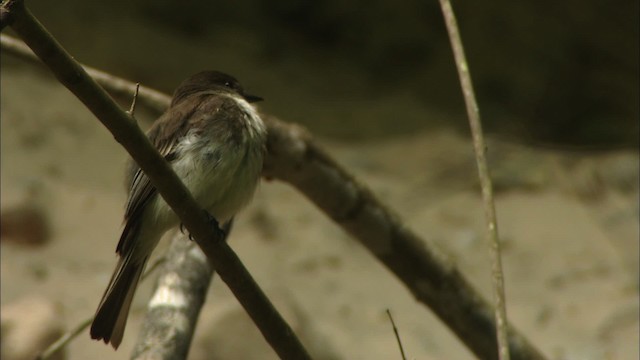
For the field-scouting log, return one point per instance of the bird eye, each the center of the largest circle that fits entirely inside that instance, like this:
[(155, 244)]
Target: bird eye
[(228, 84)]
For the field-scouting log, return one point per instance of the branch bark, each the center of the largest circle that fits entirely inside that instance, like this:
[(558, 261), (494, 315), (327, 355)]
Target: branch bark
[(125, 130), (172, 314), (178, 297), (295, 158)]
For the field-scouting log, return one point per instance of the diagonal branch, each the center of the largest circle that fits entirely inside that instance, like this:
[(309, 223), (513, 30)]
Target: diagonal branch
[(124, 129), (294, 157)]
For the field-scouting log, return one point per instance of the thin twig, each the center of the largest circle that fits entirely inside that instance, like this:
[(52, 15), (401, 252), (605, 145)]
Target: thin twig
[(65, 339), (125, 130), (395, 331), (152, 99), (84, 324), (295, 158), (479, 146), (132, 109)]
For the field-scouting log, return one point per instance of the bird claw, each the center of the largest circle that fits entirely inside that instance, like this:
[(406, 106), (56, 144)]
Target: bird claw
[(221, 234), (183, 230)]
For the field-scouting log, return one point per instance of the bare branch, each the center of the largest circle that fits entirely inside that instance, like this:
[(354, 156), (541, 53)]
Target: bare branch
[(175, 305), (273, 327), (294, 157), (480, 148)]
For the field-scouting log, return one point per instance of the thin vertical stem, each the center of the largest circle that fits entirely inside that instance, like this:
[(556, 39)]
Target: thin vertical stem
[(480, 148)]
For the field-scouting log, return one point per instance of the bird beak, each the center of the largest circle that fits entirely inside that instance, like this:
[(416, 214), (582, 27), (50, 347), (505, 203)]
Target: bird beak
[(252, 98)]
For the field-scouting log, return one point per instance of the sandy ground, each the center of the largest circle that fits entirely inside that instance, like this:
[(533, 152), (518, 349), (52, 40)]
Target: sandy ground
[(569, 223)]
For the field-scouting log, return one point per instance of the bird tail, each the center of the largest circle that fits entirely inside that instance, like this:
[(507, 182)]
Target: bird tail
[(111, 317)]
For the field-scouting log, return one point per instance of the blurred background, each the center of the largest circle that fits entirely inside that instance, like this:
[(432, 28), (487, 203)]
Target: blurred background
[(375, 83), (545, 72)]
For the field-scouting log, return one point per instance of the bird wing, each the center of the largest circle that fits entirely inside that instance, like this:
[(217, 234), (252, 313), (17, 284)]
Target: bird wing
[(165, 134)]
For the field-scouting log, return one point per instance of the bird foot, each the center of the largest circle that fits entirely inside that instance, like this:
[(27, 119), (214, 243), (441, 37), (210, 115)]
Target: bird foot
[(220, 233)]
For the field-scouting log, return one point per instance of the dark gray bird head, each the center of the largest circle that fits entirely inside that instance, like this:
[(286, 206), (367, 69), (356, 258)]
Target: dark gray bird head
[(211, 80)]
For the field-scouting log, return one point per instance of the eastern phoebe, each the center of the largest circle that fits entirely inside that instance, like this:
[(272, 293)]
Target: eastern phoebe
[(215, 141)]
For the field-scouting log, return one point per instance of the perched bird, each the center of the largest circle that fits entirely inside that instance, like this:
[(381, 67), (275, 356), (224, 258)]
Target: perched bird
[(214, 140)]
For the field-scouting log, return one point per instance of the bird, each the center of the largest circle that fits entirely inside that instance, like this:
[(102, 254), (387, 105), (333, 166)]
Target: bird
[(215, 140)]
